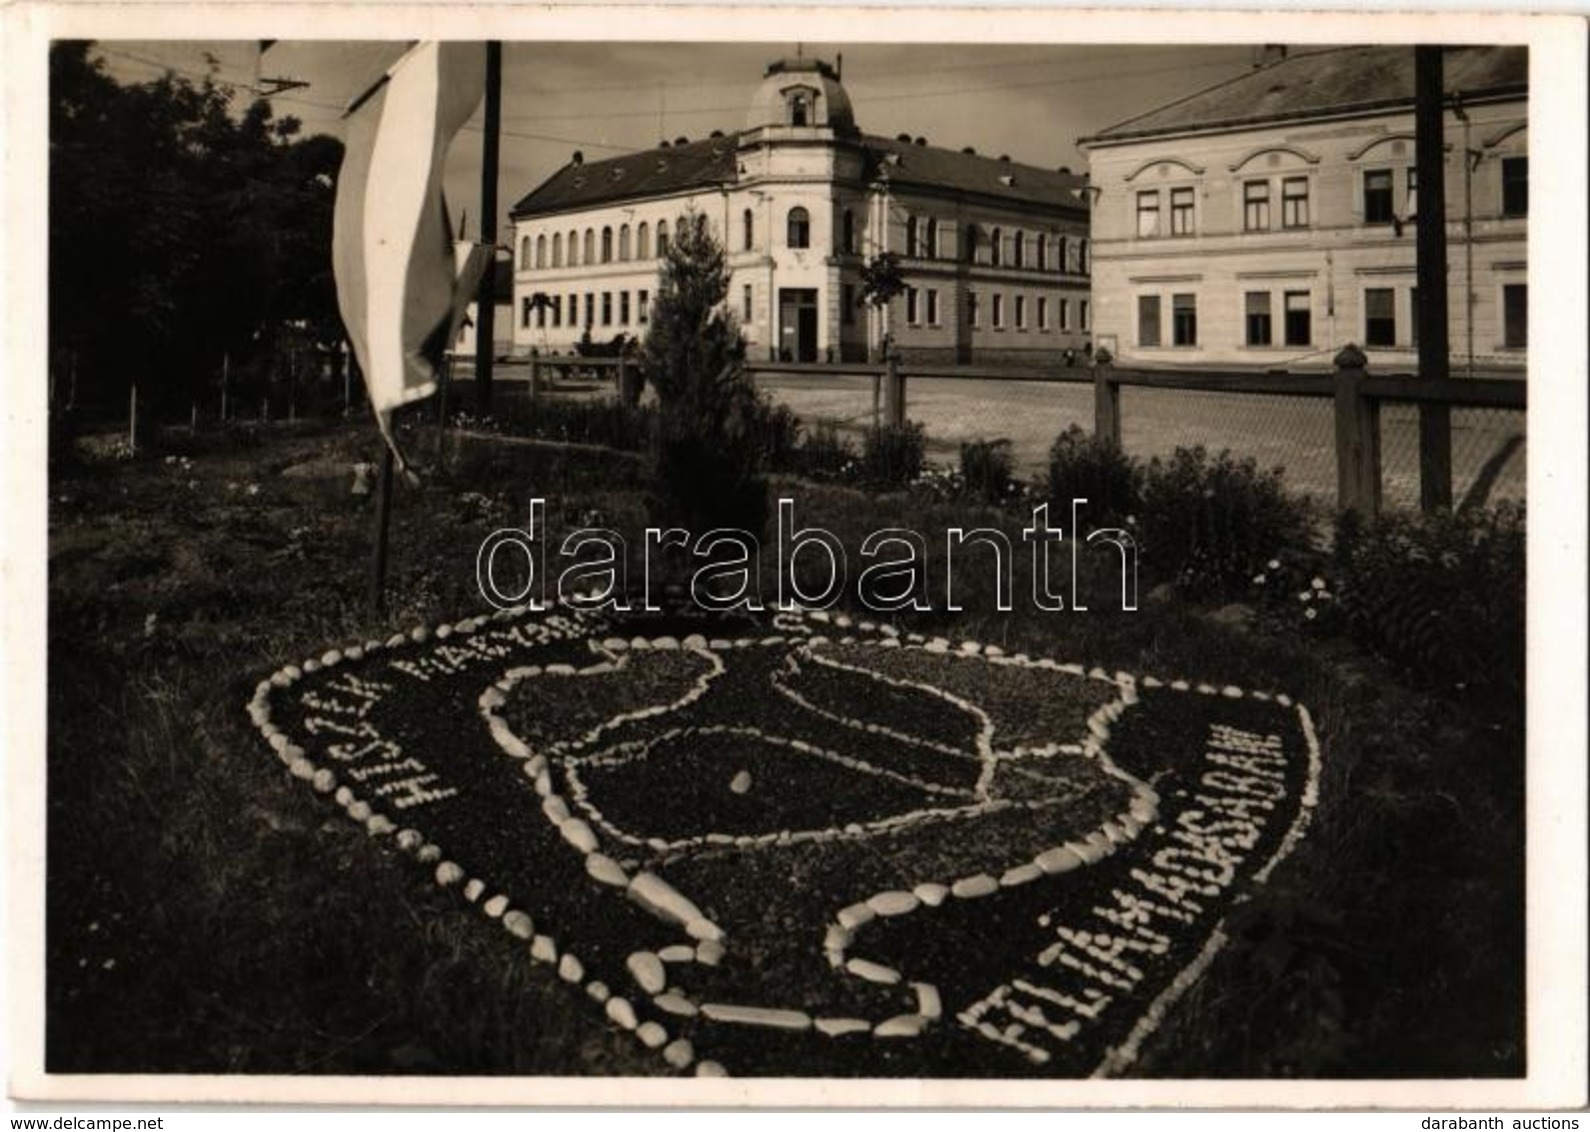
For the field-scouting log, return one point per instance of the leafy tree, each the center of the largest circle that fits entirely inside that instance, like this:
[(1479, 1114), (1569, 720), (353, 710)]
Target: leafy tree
[(706, 452), (181, 231), (882, 281)]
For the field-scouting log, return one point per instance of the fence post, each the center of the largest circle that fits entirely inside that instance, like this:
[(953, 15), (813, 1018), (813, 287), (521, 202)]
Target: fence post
[(1106, 403), (894, 394), (1435, 456), (1357, 436)]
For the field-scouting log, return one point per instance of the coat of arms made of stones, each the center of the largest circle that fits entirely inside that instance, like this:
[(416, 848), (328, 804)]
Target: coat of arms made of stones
[(808, 845)]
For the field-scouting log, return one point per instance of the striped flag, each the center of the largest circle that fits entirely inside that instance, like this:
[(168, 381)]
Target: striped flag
[(400, 285)]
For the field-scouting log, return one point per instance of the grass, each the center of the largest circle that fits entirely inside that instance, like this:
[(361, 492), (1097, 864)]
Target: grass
[(206, 914)]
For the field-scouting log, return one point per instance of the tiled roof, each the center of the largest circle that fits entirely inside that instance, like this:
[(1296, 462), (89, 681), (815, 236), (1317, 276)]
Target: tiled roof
[(1331, 81), (711, 162), (651, 172)]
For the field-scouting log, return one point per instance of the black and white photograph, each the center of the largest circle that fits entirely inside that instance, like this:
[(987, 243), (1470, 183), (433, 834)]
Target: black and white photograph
[(891, 550)]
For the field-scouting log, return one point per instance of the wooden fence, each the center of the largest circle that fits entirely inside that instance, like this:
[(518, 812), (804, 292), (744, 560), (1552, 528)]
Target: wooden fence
[(1357, 397)]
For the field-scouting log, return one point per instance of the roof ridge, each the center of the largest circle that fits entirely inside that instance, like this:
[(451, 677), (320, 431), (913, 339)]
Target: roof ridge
[(1211, 88)]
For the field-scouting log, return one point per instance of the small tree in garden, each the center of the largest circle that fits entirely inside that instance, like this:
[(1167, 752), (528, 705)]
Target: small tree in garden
[(541, 302), (705, 454), (881, 282)]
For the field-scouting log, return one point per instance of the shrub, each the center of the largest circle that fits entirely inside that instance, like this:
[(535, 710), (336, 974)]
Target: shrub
[(775, 432), (1082, 466), (986, 469), (606, 421), (1210, 524), (1442, 594), (891, 456), (824, 453)]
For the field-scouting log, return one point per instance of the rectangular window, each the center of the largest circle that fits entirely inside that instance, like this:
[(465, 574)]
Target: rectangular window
[(641, 311), (1184, 320), (524, 312), (1515, 315), (1148, 320), (1256, 206), (1148, 213), (590, 308), (607, 308), (557, 310), (745, 305), (1065, 314), (574, 311), (1299, 319), (911, 305), (1082, 314), (1515, 186), (1256, 307), (623, 307), (1294, 202), (1380, 316), (999, 312), (932, 307), (847, 304), (1043, 313), (1181, 212), (1021, 312), (1377, 196)]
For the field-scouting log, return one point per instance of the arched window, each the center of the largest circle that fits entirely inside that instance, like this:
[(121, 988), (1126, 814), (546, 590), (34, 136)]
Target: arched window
[(643, 241), (541, 251), (1018, 248), (682, 225), (849, 229), (749, 225), (623, 242), (557, 249), (996, 239), (930, 243), (574, 248), (799, 109), (588, 254), (607, 245), (1060, 254), (524, 252), (1043, 252), (799, 234), (662, 238), (1082, 256), (910, 236)]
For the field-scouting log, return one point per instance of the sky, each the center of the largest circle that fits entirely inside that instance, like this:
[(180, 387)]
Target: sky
[(1030, 101)]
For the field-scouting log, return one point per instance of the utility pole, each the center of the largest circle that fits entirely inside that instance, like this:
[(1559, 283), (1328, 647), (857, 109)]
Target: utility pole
[(485, 322), (1435, 435)]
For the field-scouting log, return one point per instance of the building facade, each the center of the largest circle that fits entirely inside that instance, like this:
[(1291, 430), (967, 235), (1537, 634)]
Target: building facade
[(1270, 220), (994, 253)]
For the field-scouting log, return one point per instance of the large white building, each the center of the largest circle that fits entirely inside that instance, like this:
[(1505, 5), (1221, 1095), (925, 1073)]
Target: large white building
[(1270, 220), (995, 252)]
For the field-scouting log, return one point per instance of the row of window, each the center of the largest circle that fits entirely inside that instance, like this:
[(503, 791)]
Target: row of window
[(1290, 322), (542, 310), (1179, 216), (922, 306), (594, 247), (1017, 249)]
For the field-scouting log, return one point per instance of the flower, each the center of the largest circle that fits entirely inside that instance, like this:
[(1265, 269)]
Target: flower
[(1318, 583), (1310, 613), (1258, 579), (1305, 596), (1274, 563)]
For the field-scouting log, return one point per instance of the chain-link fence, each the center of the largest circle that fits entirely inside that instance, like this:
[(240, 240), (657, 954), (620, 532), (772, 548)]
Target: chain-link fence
[(1488, 451)]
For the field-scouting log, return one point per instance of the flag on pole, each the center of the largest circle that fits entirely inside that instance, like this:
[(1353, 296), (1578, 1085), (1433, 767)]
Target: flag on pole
[(401, 286)]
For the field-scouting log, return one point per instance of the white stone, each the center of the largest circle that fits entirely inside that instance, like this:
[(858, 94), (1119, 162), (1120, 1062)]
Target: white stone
[(301, 769), (544, 949), (856, 915), (1090, 853), (837, 1027), (677, 953), (379, 825), (928, 1003), (676, 1004), (662, 899), (325, 781), (604, 870), (579, 835), (429, 853), (652, 1035), (495, 907), (518, 924), (704, 930), (969, 888), (710, 1069), (757, 1016), (648, 972), (473, 890), (709, 953), (598, 991), (679, 1053), (448, 873), (409, 840), (1053, 862), (1021, 874), (570, 969), (621, 1012), (931, 894), (873, 972), (837, 938), (741, 782), (893, 903), (901, 1026)]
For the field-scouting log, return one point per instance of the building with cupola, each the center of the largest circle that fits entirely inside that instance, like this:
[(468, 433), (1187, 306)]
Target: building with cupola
[(1269, 220), (994, 252)]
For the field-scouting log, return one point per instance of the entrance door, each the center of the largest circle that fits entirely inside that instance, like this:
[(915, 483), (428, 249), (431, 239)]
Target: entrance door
[(797, 320)]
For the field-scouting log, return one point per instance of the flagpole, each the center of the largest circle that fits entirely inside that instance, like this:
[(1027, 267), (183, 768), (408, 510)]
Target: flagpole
[(485, 322)]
